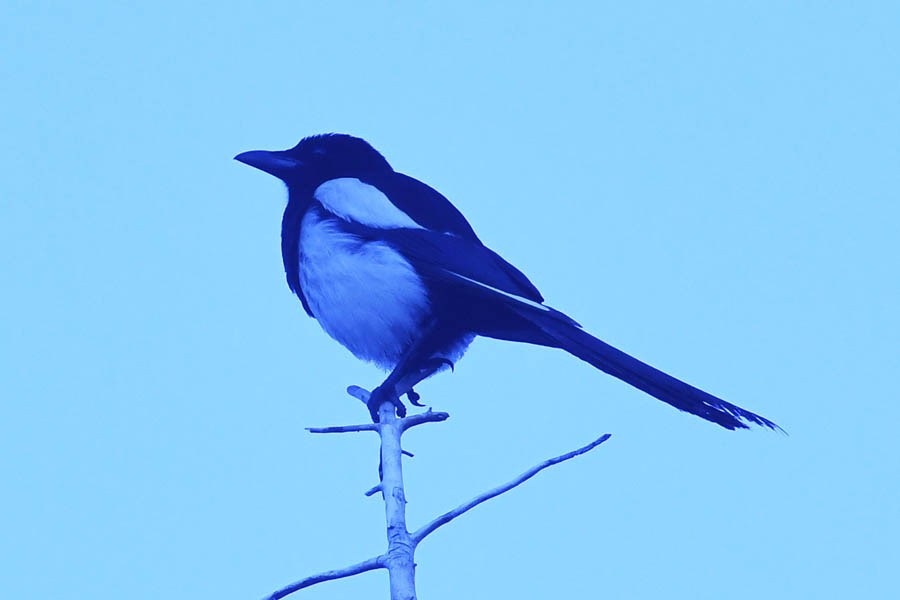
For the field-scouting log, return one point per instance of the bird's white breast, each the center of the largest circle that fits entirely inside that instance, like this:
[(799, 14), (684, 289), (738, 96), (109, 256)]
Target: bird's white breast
[(364, 294)]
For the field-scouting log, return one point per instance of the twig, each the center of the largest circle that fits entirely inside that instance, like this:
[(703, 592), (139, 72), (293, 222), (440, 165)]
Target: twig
[(359, 393), (429, 416), (445, 518), (344, 428), (370, 564)]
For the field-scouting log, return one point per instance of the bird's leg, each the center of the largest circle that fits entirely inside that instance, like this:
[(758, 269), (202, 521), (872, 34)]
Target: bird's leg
[(414, 366), (428, 368)]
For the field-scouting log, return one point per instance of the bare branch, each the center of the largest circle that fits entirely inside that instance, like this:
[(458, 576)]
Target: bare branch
[(359, 393), (445, 518), (344, 428), (428, 416), (399, 560), (371, 564)]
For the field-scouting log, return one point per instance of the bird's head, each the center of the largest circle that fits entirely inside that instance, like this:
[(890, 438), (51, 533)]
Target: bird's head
[(318, 158)]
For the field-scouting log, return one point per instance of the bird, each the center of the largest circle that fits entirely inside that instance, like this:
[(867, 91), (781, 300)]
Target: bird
[(394, 272)]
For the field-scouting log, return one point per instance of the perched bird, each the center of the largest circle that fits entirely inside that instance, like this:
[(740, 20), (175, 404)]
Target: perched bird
[(394, 272)]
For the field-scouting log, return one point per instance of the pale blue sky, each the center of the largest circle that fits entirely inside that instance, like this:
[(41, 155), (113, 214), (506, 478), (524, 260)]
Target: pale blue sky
[(712, 187)]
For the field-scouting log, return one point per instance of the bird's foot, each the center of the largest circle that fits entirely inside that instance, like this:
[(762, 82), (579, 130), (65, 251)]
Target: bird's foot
[(445, 361), (379, 396), (414, 398)]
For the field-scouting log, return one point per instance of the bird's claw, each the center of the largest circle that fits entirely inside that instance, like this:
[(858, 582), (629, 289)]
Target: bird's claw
[(414, 398), (378, 397), (445, 361)]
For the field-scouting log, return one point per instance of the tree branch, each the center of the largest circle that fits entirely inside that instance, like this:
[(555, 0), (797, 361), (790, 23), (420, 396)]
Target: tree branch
[(429, 416), (359, 393), (370, 564), (399, 560), (344, 428), (445, 518)]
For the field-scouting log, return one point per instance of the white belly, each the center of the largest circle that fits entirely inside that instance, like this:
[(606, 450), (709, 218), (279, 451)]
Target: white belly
[(364, 294)]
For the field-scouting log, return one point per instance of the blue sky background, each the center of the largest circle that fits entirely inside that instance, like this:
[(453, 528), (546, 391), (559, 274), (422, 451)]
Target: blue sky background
[(710, 186)]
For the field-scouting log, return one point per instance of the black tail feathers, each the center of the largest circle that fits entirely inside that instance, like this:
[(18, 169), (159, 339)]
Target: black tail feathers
[(670, 390)]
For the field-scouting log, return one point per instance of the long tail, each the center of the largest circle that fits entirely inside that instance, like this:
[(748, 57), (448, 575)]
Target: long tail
[(566, 334)]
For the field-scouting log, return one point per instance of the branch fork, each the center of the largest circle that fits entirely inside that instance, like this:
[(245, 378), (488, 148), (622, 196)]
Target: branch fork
[(399, 559)]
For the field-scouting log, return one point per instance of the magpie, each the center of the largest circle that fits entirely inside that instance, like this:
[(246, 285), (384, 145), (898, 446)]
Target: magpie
[(394, 272)]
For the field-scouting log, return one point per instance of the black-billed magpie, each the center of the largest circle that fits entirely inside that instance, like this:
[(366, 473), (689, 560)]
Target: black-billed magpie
[(394, 272)]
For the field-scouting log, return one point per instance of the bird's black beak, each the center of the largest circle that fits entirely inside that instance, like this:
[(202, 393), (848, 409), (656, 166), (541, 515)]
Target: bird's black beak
[(275, 163)]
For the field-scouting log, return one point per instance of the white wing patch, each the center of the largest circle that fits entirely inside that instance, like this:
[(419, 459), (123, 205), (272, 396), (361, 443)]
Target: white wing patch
[(525, 301), (353, 200)]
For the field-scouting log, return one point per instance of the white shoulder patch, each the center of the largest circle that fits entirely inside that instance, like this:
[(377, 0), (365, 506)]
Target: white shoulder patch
[(353, 200)]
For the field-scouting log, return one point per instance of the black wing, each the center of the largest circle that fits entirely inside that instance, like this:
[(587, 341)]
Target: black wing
[(466, 262), (424, 204)]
